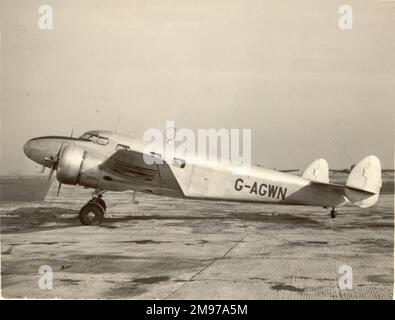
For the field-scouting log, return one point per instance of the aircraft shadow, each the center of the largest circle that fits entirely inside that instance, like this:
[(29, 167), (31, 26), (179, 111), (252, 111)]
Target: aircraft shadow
[(33, 219), (260, 216)]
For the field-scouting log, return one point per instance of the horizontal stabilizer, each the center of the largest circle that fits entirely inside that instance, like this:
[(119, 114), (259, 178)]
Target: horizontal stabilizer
[(317, 171)]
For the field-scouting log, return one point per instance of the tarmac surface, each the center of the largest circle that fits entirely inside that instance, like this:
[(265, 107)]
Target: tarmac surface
[(173, 249)]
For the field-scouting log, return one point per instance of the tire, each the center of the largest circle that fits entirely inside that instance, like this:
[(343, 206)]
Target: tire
[(99, 201), (91, 214), (333, 214)]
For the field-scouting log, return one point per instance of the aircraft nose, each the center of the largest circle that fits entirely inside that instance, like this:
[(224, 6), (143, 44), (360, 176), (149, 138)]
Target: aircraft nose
[(43, 148), (27, 148), (33, 149)]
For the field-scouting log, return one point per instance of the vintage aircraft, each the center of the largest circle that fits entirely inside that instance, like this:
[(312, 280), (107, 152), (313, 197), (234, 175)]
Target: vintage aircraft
[(109, 161)]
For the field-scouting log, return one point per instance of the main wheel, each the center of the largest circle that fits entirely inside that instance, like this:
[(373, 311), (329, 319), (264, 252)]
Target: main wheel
[(99, 201), (333, 213), (91, 214)]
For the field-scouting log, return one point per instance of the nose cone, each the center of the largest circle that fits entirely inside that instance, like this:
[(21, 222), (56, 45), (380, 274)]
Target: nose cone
[(34, 150), (27, 149), (41, 150)]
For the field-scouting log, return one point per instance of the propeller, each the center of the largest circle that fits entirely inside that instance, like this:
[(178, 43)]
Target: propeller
[(60, 185), (51, 173), (55, 163)]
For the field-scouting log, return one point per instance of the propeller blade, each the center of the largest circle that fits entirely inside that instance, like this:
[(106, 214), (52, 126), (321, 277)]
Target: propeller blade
[(60, 185), (51, 172), (55, 163), (58, 154), (72, 131)]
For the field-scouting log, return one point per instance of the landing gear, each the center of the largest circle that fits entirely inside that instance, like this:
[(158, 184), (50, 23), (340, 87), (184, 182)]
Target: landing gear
[(134, 201), (99, 201), (333, 213), (93, 212)]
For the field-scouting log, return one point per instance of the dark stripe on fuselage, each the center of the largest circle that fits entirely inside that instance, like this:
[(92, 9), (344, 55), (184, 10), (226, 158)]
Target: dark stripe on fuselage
[(127, 169), (60, 137), (136, 167), (133, 174), (128, 166)]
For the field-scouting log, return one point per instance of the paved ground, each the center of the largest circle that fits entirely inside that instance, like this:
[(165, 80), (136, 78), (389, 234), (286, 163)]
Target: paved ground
[(172, 249)]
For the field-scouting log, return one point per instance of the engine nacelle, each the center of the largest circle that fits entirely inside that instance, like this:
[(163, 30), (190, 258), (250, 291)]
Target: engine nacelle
[(76, 166), (70, 163)]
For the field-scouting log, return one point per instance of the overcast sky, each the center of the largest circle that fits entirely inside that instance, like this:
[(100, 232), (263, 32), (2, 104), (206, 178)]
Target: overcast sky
[(282, 68)]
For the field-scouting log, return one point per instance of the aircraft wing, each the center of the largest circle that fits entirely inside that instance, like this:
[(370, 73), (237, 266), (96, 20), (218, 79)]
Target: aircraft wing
[(129, 166)]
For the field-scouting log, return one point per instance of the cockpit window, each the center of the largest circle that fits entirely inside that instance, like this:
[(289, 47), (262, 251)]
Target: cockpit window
[(122, 147), (95, 139), (180, 163)]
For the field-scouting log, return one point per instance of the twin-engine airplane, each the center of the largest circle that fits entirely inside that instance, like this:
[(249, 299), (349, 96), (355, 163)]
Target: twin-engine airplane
[(109, 161)]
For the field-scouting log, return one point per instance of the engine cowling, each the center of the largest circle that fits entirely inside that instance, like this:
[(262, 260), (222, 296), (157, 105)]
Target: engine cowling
[(69, 165), (76, 166)]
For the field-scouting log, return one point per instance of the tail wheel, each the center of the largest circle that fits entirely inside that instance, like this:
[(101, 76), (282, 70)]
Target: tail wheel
[(91, 214), (99, 201)]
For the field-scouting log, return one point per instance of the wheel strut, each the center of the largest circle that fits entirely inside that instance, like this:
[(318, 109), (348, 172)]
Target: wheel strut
[(134, 201), (333, 213)]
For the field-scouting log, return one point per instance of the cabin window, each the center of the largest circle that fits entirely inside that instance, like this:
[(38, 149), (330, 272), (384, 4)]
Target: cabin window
[(122, 147), (179, 163), (157, 158), (157, 155), (95, 139)]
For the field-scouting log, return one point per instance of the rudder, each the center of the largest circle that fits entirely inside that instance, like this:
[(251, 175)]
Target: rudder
[(364, 182), (317, 171)]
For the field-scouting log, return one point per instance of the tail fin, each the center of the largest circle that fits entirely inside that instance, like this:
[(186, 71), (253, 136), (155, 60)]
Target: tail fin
[(364, 182), (317, 171)]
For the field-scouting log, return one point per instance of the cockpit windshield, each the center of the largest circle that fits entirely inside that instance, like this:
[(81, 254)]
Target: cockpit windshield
[(95, 138)]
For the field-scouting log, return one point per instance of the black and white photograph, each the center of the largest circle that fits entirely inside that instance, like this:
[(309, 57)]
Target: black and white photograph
[(168, 150)]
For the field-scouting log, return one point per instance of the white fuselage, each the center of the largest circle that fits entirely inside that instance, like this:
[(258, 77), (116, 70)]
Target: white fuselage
[(196, 179), (216, 181)]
